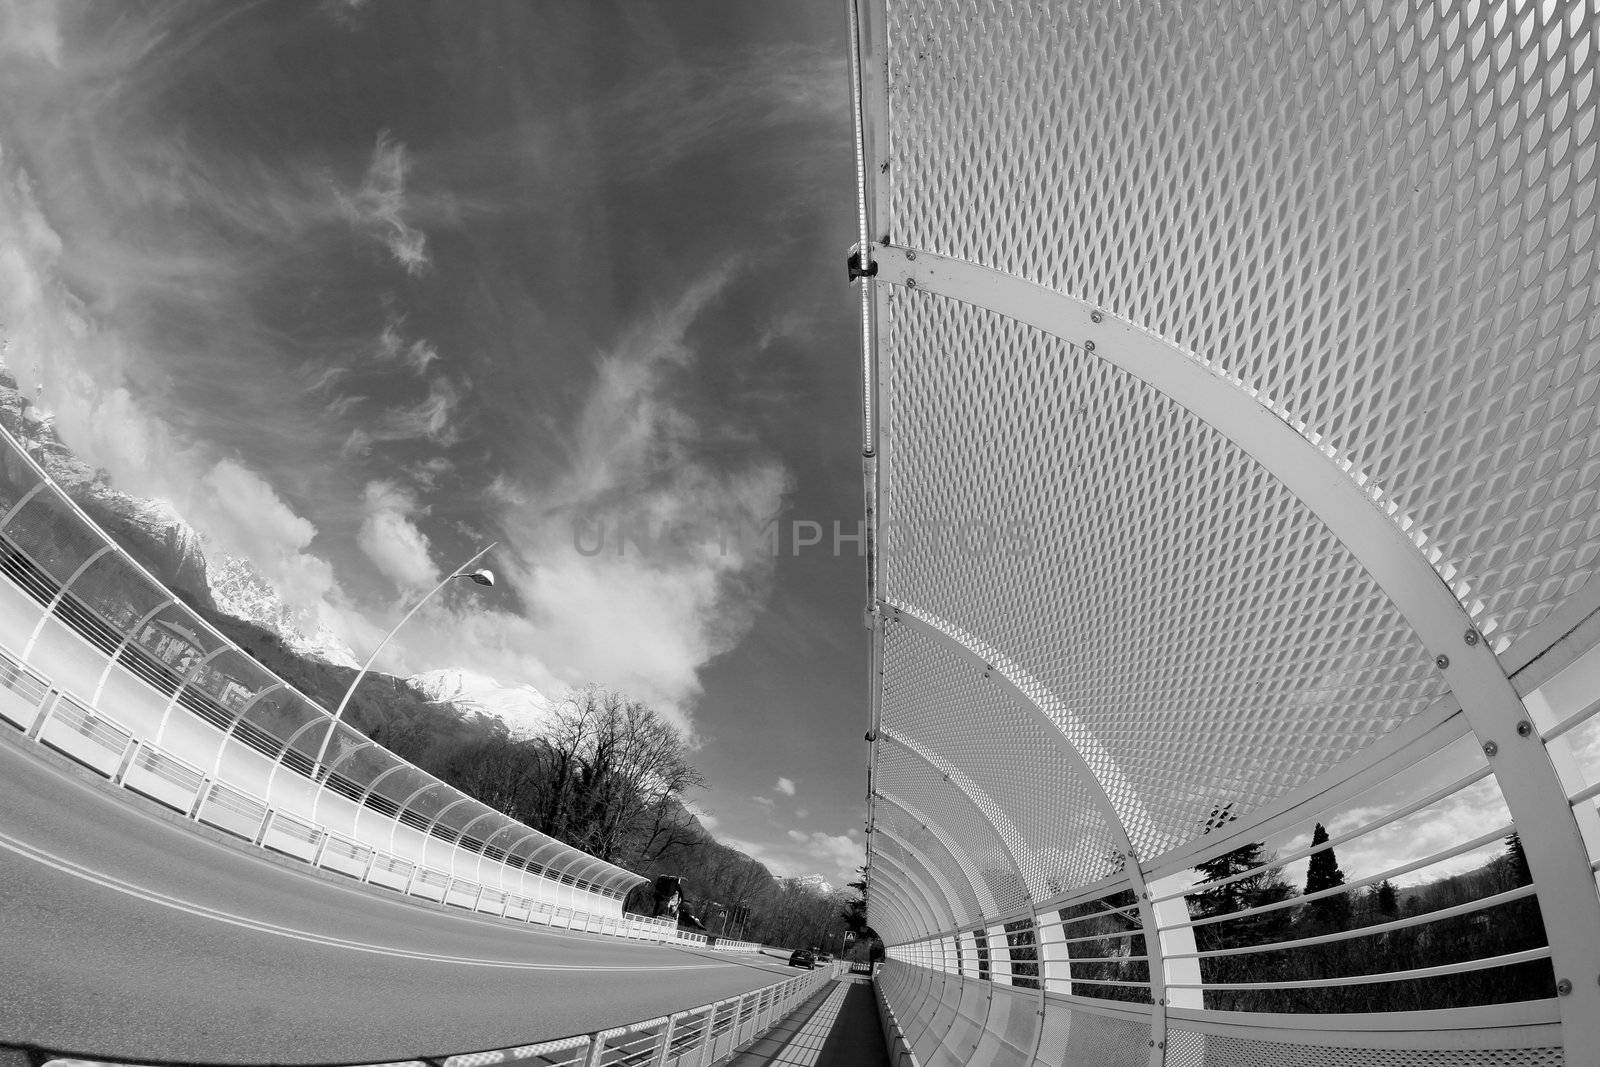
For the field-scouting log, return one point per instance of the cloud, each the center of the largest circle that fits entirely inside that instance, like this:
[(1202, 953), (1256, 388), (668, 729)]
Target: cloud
[(429, 419), (393, 347), (391, 540), (644, 613), (779, 864), (77, 366), (838, 850), (801, 813), (785, 786), (765, 802), (378, 207), (766, 88), (797, 835), (28, 28)]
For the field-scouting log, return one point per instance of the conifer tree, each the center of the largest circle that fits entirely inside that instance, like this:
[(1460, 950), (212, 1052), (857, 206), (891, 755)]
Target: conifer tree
[(1517, 860), (1323, 872), (1387, 904)]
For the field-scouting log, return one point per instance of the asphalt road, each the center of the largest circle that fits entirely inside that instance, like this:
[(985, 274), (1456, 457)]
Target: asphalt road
[(126, 935)]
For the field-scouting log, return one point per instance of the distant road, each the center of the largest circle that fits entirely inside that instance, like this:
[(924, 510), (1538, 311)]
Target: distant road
[(125, 935)]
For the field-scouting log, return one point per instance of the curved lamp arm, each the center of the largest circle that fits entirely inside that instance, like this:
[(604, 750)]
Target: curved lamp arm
[(481, 577)]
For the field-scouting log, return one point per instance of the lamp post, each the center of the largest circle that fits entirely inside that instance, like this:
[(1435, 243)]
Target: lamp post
[(482, 576)]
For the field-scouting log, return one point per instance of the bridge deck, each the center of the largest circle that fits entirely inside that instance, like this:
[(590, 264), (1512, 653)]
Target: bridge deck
[(837, 1027)]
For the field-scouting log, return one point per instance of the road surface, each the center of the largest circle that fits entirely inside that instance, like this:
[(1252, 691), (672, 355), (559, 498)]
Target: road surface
[(125, 934)]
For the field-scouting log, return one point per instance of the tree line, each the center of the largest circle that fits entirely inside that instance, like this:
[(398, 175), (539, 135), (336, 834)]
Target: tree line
[(1244, 880), (609, 775)]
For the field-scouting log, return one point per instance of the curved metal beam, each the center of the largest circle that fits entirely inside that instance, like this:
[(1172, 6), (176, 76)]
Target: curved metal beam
[(327, 776), (227, 735), (958, 909), (1007, 834), (946, 890), (938, 918), (55, 601), (980, 889), (926, 920), (1000, 669), (127, 639), (477, 875), (183, 685), (288, 745), (1353, 511)]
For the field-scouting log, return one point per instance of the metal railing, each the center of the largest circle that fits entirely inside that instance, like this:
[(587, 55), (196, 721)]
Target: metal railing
[(1229, 390), (696, 1037)]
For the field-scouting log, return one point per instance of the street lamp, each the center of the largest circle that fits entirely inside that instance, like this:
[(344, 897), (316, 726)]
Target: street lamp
[(481, 576)]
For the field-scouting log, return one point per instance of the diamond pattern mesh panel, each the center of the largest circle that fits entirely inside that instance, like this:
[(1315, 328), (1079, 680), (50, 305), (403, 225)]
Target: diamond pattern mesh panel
[(938, 898), (910, 829), (942, 699), (902, 774), (1186, 620), (914, 877), (1381, 215), (1188, 1049), (1106, 1041)]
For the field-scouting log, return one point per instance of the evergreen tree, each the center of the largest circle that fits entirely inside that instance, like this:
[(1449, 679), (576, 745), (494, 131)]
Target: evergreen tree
[(1387, 904), (1516, 860), (1253, 891), (1323, 872)]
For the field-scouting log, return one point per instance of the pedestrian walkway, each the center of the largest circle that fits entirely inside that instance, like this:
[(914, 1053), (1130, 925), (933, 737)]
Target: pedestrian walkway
[(837, 1027)]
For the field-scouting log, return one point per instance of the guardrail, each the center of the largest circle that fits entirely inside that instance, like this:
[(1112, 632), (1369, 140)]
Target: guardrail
[(696, 1037), (102, 663)]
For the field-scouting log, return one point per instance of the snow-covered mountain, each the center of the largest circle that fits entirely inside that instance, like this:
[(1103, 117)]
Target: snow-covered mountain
[(154, 532), (524, 709), (151, 530), (243, 592)]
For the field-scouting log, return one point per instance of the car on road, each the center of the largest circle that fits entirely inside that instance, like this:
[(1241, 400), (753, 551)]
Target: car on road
[(824, 957), (803, 957)]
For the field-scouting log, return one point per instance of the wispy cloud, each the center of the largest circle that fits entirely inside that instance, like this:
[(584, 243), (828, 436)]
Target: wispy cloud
[(785, 786), (394, 347), (645, 620), (378, 207), (390, 537), (428, 419), (772, 87), (834, 856)]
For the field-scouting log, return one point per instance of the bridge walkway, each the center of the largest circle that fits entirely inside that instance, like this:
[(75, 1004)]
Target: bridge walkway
[(837, 1027)]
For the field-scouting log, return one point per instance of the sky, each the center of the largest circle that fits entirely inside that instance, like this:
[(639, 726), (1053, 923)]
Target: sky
[(359, 288)]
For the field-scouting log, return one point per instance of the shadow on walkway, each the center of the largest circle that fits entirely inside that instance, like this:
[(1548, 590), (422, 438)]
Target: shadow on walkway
[(838, 1027)]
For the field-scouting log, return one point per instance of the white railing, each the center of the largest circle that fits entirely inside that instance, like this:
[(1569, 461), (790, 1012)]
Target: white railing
[(696, 1037), (1234, 582)]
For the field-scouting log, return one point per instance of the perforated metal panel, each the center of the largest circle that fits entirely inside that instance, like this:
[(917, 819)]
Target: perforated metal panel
[(1381, 215), (1171, 599), (943, 701), (908, 828), (1186, 1049), (903, 774), (1232, 425)]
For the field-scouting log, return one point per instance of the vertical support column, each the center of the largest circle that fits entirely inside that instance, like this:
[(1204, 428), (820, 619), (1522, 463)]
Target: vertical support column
[(999, 955), (1055, 972), (1175, 938)]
